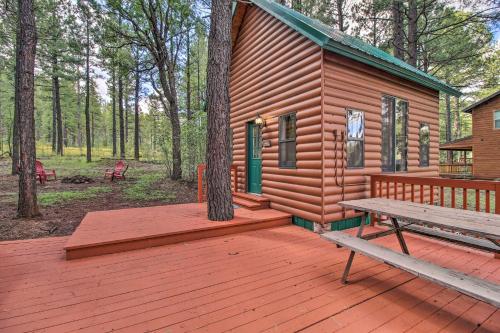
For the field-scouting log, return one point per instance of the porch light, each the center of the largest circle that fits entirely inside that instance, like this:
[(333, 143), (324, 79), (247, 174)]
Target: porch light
[(259, 121)]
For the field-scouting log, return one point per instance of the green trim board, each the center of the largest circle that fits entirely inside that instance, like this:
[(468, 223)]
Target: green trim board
[(351, 47), (334, 226), (298, 221), (348, 223)]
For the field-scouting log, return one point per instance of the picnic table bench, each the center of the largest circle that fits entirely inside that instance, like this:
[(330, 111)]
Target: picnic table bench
[(473, 226)]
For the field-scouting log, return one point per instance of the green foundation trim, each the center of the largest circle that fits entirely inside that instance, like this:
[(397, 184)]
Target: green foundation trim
[(348, 223), (303, 223)]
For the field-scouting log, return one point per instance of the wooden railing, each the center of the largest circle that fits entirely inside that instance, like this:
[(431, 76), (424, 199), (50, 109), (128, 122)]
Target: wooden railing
[(454, 193), (455, 169), (202, 185)]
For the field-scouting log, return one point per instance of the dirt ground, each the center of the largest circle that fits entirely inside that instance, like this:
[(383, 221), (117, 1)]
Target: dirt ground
[(62, 218)]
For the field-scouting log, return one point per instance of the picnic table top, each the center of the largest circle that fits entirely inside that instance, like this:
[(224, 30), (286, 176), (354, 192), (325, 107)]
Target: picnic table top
[(484, 225)]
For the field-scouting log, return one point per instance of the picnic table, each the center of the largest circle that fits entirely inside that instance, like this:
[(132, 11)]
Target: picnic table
[(473, 226)]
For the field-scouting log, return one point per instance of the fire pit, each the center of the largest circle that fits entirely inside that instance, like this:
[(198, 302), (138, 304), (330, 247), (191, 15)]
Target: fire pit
[(78, 179)]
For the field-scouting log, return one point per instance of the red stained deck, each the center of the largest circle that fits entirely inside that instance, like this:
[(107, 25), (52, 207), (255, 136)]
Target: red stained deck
[(121, 230), (281, 279)]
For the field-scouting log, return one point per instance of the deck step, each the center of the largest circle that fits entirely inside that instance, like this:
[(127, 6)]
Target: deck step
[(250, 201), (478, 288), (251, 197), (252, 205)]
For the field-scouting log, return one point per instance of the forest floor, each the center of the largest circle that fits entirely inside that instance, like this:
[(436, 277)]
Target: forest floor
[(63, 206)]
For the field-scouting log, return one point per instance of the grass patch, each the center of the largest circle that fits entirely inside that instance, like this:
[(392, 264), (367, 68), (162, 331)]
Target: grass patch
[(142, 189), (51, 198)]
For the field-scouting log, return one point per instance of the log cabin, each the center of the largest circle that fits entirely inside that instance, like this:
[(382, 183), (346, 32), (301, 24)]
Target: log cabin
[(315, 112), (484, 143)]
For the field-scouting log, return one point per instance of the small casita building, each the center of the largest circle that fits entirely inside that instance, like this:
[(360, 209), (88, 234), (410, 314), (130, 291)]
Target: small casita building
[(484, 143), (315, 112)]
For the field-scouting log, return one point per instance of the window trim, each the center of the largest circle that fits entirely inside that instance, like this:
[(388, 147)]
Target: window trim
[(393, 134), (494, 119), (281, 163), (355, 139), (420, 165)]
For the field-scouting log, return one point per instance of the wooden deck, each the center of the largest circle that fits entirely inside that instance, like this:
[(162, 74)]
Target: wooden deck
[(121, 230), (281, 279)]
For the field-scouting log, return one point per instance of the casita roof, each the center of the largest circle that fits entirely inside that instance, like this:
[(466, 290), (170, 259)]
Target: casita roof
[(341, 43)]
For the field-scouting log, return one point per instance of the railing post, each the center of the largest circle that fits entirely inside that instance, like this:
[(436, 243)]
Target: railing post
[(200, 182)]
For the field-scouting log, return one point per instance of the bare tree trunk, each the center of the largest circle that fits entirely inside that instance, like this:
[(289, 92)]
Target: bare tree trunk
[(113, 101), (220, 203), (27, 204), (54, 119), (120, 114), (412, 32), (398, 36), (136, 107), (15, 120)]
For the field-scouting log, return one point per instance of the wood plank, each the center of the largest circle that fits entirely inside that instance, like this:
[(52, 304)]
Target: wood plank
[(470, 222), (477, 243), (474, 287)]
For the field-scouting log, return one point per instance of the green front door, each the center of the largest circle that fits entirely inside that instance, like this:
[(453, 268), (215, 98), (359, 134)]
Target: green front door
[(254, 156)]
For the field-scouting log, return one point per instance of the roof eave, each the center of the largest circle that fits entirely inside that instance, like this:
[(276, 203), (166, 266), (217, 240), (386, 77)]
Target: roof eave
[(388, 67)]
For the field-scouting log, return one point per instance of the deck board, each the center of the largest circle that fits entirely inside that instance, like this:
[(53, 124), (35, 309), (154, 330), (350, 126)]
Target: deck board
[(280, 279)]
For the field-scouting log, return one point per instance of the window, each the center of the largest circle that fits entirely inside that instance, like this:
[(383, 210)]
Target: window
[(424, 141), (257, 142), (287, 136), (394, 134), (496, 117), (355, 139)]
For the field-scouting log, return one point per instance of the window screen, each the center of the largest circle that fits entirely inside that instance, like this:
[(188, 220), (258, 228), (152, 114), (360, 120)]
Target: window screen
[(394, 134), (496, 116), (355, 138), (287, 152), (424, 141)]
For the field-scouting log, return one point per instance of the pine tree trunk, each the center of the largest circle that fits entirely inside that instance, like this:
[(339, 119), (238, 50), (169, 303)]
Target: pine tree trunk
[(449, 153), (127, 111), (397, 26), (113, 98), (56, 106), (79, 136), (412, 32), (340, 14), (136, 108), (219, 197), (189, 111), (87, 94), (54, 118), (120, 115), (15, 120), (27, 204)]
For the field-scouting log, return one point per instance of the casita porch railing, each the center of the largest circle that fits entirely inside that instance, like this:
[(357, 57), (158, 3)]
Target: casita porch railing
[(202, 184), (456, 169), (455, 193)]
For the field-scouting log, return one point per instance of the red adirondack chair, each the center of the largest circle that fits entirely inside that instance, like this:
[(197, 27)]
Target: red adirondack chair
[(43, 175), (118, 172)]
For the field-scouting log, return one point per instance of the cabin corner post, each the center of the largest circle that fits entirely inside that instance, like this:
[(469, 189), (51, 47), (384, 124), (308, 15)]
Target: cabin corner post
[(373, 194), (497, 198)]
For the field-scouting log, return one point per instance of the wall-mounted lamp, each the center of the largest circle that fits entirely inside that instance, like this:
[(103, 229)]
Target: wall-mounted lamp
[(259, 121)]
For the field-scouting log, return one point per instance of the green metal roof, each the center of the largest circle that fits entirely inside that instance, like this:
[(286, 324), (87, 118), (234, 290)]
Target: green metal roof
[(341, 43)]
